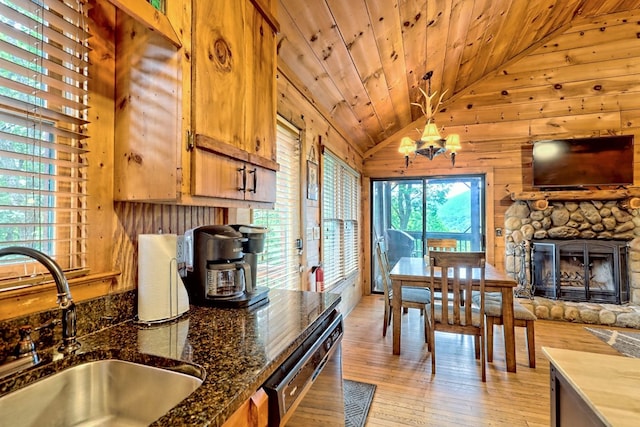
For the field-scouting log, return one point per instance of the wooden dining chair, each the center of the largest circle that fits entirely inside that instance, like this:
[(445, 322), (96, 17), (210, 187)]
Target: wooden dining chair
[(412, 297), (447, 245), (521, 317), (455, 312)]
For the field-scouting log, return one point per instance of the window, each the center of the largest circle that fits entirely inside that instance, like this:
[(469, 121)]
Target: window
[(279, 264), (43, 83), (340, 202)]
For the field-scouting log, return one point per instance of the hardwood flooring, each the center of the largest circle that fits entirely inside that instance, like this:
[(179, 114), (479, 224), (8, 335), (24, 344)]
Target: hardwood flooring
[(408, 395)]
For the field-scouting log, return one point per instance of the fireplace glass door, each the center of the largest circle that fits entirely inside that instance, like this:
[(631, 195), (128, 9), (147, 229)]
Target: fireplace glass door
[(581, 270)]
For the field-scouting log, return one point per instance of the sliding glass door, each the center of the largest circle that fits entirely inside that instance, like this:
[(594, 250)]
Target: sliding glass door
[(407, 212)]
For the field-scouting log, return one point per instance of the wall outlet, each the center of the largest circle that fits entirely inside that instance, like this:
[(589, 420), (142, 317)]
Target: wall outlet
[(180, 250)]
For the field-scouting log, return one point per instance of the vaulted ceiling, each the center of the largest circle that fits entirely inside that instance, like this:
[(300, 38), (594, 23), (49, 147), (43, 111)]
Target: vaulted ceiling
[(363, 61)]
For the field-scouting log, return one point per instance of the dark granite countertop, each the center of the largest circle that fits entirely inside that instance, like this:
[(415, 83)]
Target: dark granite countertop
[(235, 349)]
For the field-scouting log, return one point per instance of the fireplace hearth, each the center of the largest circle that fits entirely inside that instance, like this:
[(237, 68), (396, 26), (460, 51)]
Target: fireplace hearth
[(580, 270)]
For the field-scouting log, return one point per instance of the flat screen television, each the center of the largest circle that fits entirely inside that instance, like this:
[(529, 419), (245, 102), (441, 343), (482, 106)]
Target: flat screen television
[(583, 162)]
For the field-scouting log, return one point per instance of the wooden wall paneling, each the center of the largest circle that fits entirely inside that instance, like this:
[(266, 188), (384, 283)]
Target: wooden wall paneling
[(320, 90), (328, 46), (535, 22), (502, 39), (600, 34), (457, 30), (631, 13), (100, 213), (147, 218), (356, 29), (601, 49), (367, 251), (437, 22), (414, 28), (561, 74), (480, 33), (583, 125), (388, 31)]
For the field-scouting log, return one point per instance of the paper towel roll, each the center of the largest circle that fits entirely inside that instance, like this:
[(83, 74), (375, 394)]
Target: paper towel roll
[(161, 292)]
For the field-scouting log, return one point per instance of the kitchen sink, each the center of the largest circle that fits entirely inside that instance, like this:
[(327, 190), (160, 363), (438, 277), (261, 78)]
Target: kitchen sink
[(100, 393)]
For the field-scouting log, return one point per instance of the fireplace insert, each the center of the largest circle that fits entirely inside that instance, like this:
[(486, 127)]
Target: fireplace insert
[(581, 270)]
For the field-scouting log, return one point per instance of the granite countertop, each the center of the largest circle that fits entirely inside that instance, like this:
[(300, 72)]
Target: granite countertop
[(607, 383), (236, 349)]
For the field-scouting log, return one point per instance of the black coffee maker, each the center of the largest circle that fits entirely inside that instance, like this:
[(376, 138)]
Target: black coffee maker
[(218, 272)]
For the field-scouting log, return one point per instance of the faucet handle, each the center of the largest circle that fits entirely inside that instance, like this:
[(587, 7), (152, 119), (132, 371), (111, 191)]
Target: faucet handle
[(48, 325), (25, 346)]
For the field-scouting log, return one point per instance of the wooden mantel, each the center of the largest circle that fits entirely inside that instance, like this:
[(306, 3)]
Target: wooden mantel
[(618, 194)]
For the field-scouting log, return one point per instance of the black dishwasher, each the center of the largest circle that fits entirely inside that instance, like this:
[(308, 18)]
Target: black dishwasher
[(306, 390)]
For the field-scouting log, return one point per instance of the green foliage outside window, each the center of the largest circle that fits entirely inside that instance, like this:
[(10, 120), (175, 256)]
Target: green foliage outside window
[(406, 206), (158, 4)]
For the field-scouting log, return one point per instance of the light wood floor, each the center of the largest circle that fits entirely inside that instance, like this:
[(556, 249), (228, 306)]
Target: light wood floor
[(407, 393)]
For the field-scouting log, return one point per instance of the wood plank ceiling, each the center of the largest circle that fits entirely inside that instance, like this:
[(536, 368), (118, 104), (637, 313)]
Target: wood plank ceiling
[(363, 61)]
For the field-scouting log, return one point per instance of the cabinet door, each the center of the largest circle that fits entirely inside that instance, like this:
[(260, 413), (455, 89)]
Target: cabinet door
[(219, 70), (261, 86), (216, 175), (261, 184), (252, 413)]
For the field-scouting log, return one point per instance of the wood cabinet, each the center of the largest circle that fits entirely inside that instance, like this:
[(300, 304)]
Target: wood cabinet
[(254, 412), (197, 124), (224, 171), (233, 108)]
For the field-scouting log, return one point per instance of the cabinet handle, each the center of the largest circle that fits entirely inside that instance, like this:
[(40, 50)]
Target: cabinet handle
[(243, 169), (255, 180)]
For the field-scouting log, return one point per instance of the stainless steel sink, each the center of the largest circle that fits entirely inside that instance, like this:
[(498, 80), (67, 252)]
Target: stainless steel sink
[(101, 393)]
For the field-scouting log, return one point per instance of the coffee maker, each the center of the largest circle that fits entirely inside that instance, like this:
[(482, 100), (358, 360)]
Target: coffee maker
[(218, 272)]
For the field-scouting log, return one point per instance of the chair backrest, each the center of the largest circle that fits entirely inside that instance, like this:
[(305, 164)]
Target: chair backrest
[(448, 245), (383, 265), (457, 273)]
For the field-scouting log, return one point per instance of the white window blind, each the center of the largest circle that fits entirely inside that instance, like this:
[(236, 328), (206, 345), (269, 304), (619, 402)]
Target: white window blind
[(43, 102), (278, 265), (340, 207)]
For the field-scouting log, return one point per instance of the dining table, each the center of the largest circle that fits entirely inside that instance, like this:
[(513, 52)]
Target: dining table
[(413, 271)]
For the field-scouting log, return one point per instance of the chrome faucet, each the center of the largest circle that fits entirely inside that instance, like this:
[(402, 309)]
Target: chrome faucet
[(65, 302)]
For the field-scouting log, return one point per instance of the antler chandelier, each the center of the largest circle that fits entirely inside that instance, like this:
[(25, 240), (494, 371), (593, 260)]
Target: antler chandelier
[(430, 144)]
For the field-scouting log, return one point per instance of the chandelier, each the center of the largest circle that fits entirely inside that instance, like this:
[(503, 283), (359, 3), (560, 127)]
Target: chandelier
[(430, 144)]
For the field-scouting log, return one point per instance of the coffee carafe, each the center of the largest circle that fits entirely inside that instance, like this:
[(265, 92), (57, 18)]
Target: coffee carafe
[(215, 265)]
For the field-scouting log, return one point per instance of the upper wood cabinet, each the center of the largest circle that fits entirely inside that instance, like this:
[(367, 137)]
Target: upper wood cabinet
[(197, 124)]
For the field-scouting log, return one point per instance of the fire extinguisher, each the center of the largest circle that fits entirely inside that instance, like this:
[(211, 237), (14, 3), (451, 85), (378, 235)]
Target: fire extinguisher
[(319, 272)]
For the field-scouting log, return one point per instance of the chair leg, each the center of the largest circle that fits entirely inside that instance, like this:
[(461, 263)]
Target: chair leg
[(531, 343), (476, 346), (432, 347), (386, 320), (426, 331), (489, 325), (483, 361)]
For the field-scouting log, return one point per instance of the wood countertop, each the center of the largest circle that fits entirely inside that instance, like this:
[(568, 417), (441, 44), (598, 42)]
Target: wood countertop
[(608, 384)]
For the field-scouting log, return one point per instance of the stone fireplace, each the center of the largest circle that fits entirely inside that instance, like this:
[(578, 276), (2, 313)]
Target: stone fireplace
[(547, 249)]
